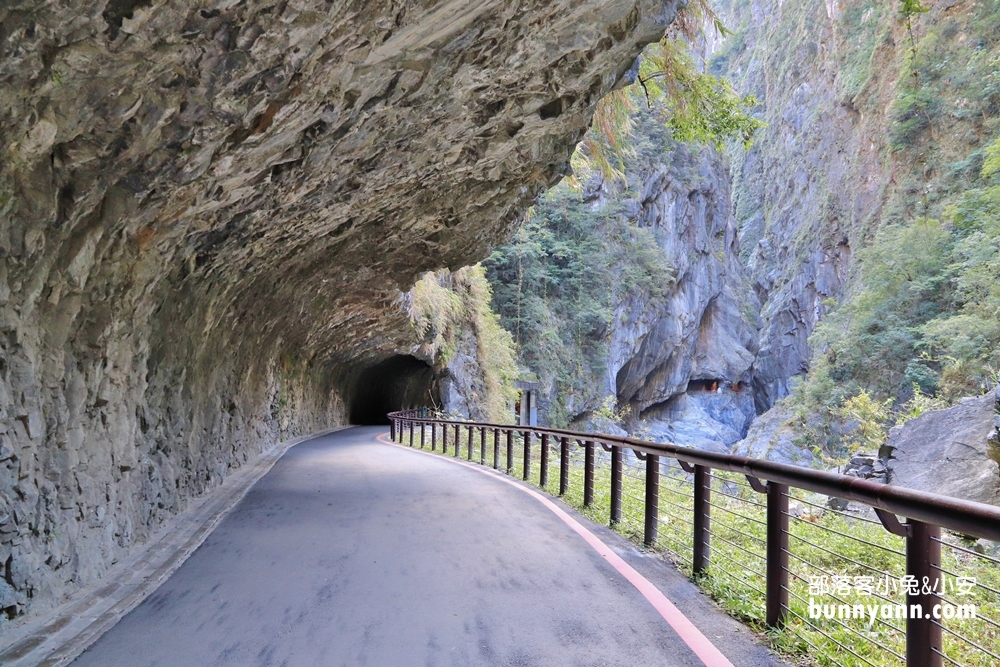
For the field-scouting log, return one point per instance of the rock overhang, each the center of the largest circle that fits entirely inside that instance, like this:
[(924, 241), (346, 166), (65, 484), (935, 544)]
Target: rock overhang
[(207, 212)]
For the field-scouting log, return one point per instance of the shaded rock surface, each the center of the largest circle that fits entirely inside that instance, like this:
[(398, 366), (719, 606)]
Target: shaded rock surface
[(207, 211), (709, 420), (809, 190), (946, 452), (699, 331)]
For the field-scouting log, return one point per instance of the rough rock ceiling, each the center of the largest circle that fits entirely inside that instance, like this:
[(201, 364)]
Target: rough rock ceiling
[(293, 162), (207, 210)]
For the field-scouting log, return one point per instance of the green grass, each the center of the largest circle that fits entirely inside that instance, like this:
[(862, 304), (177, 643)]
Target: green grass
[(823, 542)]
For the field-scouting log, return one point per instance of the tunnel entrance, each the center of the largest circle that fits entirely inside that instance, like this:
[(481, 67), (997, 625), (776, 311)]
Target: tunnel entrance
[(398, 383)]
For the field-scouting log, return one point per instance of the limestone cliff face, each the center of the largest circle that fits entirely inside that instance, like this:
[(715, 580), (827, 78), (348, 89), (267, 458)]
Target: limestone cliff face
[(846, 151), (814, 183), (762, 245), (207, 210), (679, 356), (683, 363)]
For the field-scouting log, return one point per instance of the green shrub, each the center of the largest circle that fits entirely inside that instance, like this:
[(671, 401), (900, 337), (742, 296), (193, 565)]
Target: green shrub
[(913, 112), (446, 306)]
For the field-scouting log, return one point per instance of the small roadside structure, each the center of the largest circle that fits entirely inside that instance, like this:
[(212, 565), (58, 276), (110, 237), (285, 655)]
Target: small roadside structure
[(526, 405)]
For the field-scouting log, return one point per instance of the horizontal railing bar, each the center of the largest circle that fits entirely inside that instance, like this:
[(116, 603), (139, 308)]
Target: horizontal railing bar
[(946, 657), (916, 508), (963, 516), (846, 536), (966, 640), (968, 551)]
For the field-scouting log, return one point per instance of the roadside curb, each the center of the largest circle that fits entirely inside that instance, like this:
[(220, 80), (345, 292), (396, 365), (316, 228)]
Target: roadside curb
[(58, 637)]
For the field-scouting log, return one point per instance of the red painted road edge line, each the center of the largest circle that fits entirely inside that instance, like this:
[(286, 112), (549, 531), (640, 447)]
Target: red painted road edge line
[(685, 629)]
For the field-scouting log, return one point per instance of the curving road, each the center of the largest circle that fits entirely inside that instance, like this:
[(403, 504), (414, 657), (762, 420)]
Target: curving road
[(354, 552)]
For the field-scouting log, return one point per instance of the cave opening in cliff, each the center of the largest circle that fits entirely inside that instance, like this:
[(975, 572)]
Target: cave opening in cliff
[(704, 385), (397, 383)]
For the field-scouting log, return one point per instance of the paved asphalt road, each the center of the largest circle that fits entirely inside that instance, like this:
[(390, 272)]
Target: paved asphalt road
[(353, 552)]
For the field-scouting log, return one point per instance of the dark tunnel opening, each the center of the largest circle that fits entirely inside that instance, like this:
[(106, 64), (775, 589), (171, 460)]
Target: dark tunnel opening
[(398, 383)]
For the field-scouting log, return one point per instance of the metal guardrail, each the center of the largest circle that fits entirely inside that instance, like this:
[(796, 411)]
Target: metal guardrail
[(926, 514)]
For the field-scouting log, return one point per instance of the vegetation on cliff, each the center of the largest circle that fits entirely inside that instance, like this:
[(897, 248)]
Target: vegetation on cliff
[(451, 314), (556, 283), (695, 105), (920, 324)]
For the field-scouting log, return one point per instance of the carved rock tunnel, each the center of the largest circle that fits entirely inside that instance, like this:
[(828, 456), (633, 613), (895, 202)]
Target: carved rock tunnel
[(397, 383), (215, 217)]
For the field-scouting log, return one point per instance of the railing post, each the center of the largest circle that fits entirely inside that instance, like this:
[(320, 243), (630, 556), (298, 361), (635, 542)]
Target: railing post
[(392, 429), (458, 442), (923, 558), (468, 449), (543, 463), (444, 438), (482, 446), (496, 449), (411, 434), (527, 455), (777, 554), (423, 427), (563, 466), (588, 474), (434, 437), (652, 499), (616, 485), (702, 518), (510, 452)]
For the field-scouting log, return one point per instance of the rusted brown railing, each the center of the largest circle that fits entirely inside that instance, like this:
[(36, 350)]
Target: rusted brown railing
[(926, 514)]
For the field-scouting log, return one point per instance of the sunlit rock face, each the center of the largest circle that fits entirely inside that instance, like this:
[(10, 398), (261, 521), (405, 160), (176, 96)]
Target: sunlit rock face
[(947, 451), (207, 210), (812, 187)]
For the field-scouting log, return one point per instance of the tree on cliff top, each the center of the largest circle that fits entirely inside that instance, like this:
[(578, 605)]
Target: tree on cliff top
[(697, 107)]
